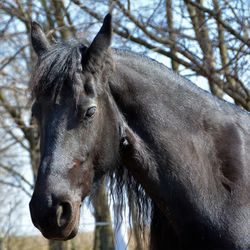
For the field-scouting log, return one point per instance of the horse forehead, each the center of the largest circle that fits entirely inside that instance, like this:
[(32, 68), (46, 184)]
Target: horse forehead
[(56, 115)]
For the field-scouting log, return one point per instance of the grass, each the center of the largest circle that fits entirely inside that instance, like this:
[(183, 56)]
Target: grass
[(83, 241)]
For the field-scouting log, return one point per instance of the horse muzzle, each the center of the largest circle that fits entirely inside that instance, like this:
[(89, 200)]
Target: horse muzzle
[(56, 218)]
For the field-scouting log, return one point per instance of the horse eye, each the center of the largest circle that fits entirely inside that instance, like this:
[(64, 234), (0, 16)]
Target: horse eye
[(90, 112)]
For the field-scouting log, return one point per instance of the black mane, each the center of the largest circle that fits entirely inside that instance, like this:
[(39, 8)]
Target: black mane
[(55, 67)]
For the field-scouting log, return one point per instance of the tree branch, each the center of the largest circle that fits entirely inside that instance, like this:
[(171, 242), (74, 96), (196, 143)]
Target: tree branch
[(228, 27)]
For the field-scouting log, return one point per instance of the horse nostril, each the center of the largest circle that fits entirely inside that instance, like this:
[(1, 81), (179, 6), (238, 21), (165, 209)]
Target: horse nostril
[(63, 214)]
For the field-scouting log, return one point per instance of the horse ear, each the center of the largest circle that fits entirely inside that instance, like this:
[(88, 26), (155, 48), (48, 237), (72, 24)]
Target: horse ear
[(39, 40), (102, 41)]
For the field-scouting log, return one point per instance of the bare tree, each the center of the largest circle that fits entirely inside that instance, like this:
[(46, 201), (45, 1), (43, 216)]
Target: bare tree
[(208, 39)]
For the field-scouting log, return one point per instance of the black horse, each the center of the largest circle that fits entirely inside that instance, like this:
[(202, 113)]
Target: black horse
[(103, 111)]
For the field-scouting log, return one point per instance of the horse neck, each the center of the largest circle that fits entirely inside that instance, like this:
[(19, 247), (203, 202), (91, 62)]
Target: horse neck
[(162, 110)]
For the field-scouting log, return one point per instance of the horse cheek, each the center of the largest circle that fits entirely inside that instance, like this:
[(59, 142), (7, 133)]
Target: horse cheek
[(81, 179), (86, 181)]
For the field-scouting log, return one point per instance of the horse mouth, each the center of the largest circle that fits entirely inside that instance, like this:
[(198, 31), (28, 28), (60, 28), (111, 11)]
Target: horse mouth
[(65, 233)]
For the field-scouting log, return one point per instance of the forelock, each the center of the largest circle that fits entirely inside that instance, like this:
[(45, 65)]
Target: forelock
[(62, 62)]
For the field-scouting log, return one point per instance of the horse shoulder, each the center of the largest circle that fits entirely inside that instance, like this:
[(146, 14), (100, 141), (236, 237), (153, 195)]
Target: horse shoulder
[(232, 143)]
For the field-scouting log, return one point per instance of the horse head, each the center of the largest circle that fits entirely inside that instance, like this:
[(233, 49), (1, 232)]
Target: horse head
[(79, 127)]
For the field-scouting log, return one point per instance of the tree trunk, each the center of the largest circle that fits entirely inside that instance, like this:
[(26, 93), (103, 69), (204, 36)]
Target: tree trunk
[(104, 238), (59, 245), (171, 32), (1, 244)]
